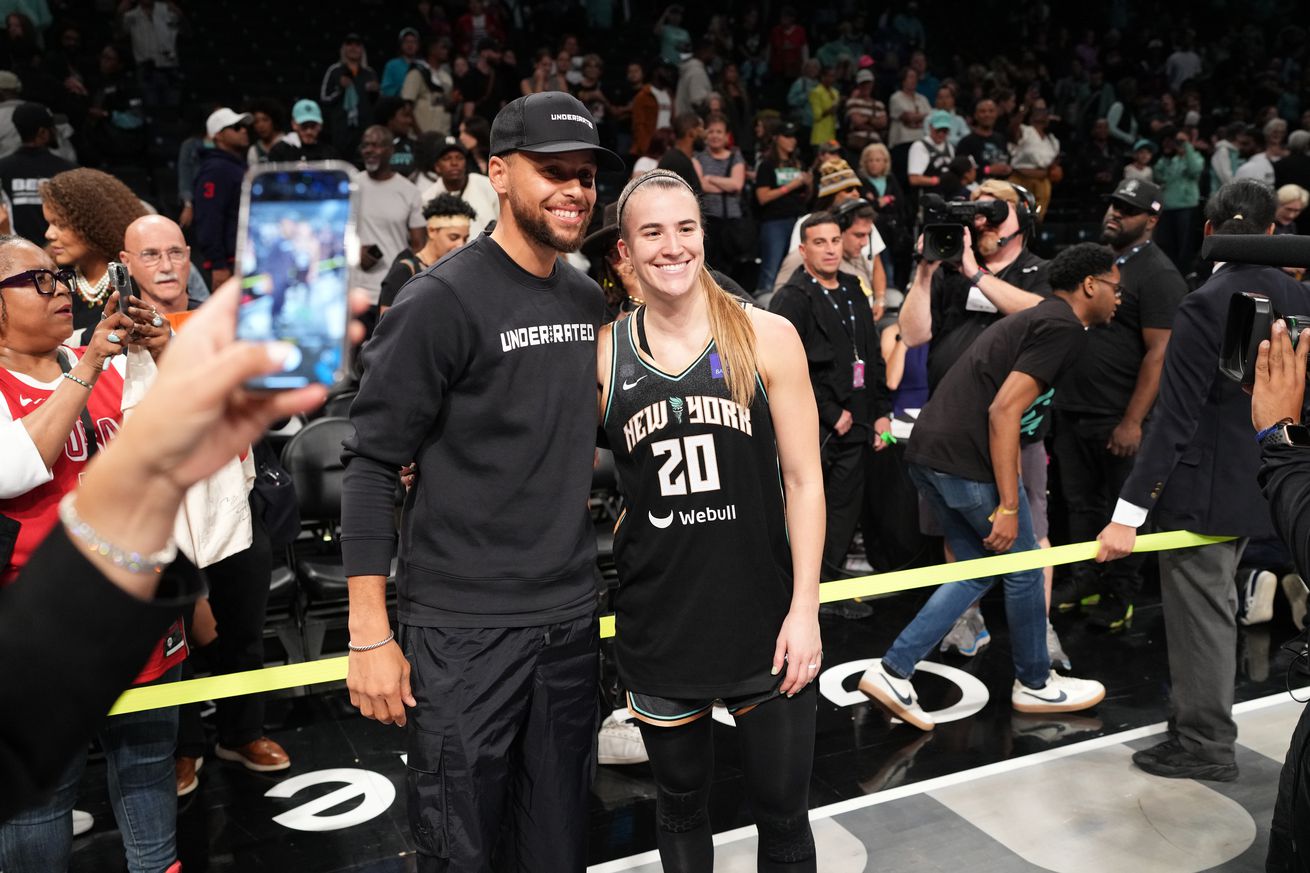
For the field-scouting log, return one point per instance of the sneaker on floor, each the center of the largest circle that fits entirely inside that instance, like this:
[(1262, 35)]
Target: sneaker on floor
[(186, 768), (1255, 596), (82, 822), (620, 742), (1176, 762), (968, 636), (858, 564), (1296, 593), (1069, 594), (1059, 694), (1166, 747), (850, 610), (896, 695), (1110, 612), (1056, 650), (262, 755)]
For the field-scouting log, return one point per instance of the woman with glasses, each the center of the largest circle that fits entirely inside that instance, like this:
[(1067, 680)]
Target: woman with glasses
[(88, 212), (60, 406)]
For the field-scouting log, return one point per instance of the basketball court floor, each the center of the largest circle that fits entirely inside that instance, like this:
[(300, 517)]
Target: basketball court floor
[(988, 790)]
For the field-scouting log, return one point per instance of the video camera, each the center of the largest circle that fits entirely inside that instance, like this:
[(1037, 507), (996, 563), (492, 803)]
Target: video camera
[(1250, 316), (945, 221)]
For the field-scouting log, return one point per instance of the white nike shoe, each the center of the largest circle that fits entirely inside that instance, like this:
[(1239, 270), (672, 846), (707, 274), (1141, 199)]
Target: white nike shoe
[(1059, 694), (896, 695), (82, 822), (620, 743)]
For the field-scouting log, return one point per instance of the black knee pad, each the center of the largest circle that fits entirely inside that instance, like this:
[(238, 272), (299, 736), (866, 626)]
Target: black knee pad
[(786, 839), (682, 812)]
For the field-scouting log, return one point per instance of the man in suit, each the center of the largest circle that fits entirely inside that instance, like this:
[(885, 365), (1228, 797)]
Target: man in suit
[(835, 322), (1196, 470)]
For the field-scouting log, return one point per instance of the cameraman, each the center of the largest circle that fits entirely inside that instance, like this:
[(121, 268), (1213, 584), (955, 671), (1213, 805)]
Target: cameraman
[(1277, 399), (1197, 469)]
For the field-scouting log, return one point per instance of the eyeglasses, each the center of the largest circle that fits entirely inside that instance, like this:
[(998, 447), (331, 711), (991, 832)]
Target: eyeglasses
[(46, 282), (150, 257), (1118, 289)]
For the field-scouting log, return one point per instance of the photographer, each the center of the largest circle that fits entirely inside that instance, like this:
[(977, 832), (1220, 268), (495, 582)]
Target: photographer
[(1196, 470)]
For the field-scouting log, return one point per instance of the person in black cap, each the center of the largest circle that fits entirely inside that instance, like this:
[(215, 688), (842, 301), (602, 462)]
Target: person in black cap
[(22, 173), (1103, 402), (484, 375), (453, 166)]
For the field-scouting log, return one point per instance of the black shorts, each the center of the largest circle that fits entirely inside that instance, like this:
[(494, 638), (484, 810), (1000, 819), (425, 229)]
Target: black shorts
[(670, 712)]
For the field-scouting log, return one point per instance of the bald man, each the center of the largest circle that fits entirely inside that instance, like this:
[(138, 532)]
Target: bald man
[(159, 261)]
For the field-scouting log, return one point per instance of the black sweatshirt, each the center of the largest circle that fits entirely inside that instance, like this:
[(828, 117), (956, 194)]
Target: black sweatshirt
[(486, 376), (1285, 480)]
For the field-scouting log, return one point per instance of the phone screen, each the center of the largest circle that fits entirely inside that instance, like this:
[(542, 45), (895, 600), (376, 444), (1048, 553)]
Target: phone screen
[(297, 230)]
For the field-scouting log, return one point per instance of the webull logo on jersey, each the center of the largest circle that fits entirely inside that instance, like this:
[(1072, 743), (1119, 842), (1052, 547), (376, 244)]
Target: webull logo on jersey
[(695, 516), (693, 410)]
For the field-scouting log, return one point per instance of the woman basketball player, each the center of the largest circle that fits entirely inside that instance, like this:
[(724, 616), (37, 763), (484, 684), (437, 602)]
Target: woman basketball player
[(708, 407)]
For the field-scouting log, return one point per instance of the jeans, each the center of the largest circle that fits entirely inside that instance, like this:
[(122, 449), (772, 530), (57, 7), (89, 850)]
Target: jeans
[(962, 506), (142, 790), (774, 236)]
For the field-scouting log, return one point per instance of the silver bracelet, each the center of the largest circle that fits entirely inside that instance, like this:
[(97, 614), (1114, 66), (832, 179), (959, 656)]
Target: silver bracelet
[(87, 385), (124, 559), (354, 648)]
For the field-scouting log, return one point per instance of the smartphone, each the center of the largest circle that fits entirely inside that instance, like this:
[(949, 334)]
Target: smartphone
[(296, 244), (122, 284)]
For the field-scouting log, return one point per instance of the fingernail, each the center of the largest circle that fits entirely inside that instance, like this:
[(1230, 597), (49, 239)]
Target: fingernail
[(278, 353), (773, 672), (791, 694)]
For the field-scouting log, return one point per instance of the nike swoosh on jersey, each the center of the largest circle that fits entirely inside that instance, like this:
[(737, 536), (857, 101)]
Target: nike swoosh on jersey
[(907, 701), (1060, 699), (26, 401), (628, 386)]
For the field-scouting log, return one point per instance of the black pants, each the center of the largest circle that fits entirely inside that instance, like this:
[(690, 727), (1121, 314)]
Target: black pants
[(777, 754), (502, 746), (1289, 833), (843, 490), (238, 596), (1090, 481)]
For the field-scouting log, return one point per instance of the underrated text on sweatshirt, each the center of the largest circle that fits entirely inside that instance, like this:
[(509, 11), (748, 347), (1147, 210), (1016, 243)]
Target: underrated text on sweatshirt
[(545, 334)]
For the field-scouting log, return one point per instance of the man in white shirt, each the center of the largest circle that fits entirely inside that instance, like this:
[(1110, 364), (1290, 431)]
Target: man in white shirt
[(153, 28), (694, 86), (390, 213), (453, 177), (930, 156)]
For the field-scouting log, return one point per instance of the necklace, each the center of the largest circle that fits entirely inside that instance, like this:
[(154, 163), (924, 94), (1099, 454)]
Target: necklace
[(92, 295)]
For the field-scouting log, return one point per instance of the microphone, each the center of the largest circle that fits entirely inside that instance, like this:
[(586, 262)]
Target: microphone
[(1287, 250)]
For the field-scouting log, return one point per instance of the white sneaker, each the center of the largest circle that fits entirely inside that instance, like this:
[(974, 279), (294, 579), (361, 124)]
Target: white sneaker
[(1055, 649), (1256, 596), (82, 822), (896, 695), (620, 743), (1059, 694), (1295, 592)]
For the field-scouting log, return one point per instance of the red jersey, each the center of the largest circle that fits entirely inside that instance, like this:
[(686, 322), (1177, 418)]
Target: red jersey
[(787, 50), (38, 509)]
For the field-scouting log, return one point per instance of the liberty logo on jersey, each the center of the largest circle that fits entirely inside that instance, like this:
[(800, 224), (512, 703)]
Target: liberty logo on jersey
[(675, 403)]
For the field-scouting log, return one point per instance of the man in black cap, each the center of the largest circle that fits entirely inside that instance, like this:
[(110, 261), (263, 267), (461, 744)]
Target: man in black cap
[(453, 177), (22, 173), (484, 375), (1103, 402)]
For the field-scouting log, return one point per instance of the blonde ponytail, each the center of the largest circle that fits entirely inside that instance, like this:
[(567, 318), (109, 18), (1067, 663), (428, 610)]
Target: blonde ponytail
[(734, 337)]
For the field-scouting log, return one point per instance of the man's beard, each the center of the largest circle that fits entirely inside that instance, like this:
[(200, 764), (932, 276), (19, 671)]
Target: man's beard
[(989, 242), (530, 220), (1120, 239)]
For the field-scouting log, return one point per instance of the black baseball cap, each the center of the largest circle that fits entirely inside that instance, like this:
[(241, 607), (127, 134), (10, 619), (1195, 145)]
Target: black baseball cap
[(30, 118), (1139, 194), (549, 123)]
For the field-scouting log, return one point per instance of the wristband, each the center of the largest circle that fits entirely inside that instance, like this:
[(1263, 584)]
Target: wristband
[(354, 648), (132, 562), (977, 277), (1260, 437), (1001, 510), (87, 385)]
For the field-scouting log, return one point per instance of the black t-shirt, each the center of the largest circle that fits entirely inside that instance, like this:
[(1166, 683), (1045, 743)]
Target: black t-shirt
[(791, 205), (985, 150), (21, 175), (1103, 380), (952, 433), (402, 270), (674, 159)]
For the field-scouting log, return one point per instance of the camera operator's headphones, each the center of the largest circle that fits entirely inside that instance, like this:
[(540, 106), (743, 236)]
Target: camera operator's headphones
[(1025, 210), (845, 213)]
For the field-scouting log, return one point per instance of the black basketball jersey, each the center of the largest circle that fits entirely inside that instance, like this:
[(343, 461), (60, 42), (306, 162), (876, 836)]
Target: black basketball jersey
[(701, 548)]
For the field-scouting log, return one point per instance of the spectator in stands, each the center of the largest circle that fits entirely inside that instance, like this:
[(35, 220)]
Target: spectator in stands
[(1139, 167), (431, 88), (894, 220), (908, 109), (1098, 160), (931, 155), (475, 136), (268, 122), (390, 213), (454, 176), (449, 220), (159, 261), (782, 187), (1103, 402), (591, 91), (945, 102), (964, 458), (397, 115), (22, 173), (88, 212), (858, 121), (660, 142), (988, 146), (1035, 154), (490, 83), (397, 69), (1178, 172), (11, 89), (347, 93), (1260, 166), (694, 79), (479, 23), (1122, 114), (71, 407), (789, 46), (305, 142), (1292, 200), (218, 193), (689, 130), (188, 160), (1184, 64), (832, 316), (722, 172), (737, 106), (798, 96), (1232, 149), (674, 40), (825, 103), (544, 77), (652, 110), (1275, 131), (1295, 170), (153, 29)]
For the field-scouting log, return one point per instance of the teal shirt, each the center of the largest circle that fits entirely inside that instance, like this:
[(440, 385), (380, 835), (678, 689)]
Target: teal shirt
[(1180, 177)]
